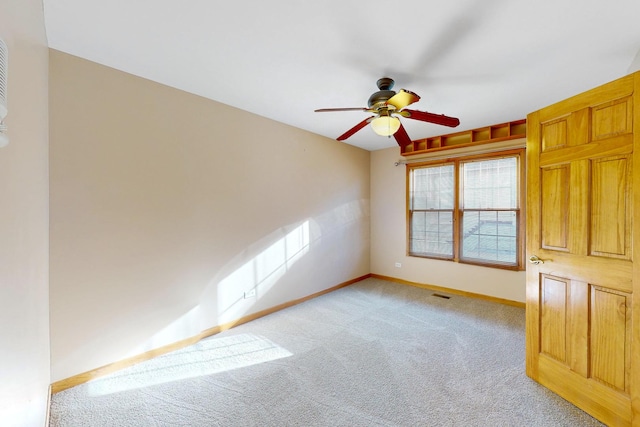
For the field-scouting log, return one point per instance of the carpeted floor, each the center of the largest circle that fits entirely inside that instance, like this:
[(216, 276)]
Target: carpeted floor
[(372, 354)]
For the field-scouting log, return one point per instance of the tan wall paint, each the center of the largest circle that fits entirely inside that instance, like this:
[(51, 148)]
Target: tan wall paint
[(388, 241), (24, 294), (166, 207)]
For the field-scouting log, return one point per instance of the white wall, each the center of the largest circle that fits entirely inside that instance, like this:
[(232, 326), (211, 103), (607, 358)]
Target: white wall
[(635, 64), (24, 295), (388, 241), (166, 207)]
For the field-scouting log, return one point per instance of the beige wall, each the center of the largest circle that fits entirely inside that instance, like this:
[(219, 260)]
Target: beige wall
[(166, 207), (388, 241), (24, 295)]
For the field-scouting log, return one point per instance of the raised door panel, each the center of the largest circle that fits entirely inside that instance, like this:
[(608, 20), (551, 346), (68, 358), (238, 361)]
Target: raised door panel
[(612, 118), (554, 134), (610, 337), (611, 207), (555, 204), (553, 317)]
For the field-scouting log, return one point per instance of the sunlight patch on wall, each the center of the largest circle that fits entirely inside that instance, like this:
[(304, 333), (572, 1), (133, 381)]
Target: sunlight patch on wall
[(207, 357), (261, 272)]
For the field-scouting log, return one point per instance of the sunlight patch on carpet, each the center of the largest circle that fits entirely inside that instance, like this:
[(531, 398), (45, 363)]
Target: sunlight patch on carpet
[(210, 356)]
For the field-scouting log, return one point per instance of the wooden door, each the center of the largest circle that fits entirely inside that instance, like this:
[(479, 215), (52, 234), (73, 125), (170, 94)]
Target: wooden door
[(583, 330)]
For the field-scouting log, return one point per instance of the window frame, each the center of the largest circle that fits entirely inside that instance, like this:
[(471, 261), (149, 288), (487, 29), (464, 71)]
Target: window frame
[(458, 209)]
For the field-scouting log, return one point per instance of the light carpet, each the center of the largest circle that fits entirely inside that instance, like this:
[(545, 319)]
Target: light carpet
[(374, 353)]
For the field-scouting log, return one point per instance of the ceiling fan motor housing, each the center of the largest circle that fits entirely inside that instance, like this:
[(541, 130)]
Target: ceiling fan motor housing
[(385, 85)]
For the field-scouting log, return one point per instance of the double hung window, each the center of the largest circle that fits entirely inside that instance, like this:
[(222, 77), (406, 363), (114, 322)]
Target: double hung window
[(467, 210)]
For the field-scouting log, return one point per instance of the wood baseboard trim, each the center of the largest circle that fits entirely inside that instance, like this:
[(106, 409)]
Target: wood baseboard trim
[(85, 377), (450, 291)]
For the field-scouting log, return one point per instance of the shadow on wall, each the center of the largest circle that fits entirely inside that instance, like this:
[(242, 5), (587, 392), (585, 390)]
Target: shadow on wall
[(251, 274)]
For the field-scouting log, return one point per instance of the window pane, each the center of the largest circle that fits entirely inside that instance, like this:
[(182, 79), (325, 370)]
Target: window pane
[(490, 236), (490, 184), (432, 234), (432, 188)]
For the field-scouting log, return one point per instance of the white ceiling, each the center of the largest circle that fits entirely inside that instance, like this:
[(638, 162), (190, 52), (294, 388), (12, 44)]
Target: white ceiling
[(485, 62)]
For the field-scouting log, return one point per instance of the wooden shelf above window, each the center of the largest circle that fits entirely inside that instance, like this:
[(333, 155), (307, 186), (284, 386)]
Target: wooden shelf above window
[(484, 135)]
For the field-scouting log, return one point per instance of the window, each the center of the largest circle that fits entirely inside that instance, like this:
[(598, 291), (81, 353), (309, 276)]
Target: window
[(467, 210)]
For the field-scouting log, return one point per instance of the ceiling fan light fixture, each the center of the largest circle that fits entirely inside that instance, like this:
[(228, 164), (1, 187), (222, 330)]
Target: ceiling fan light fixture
[(384, 105), (385, 125)]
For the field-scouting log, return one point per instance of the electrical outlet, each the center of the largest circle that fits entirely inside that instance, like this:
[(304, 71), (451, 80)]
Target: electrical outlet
[(398, 264), (250, 294)]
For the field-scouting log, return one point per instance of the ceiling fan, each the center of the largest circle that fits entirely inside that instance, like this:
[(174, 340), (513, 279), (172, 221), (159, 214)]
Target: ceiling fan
[(386, 105)]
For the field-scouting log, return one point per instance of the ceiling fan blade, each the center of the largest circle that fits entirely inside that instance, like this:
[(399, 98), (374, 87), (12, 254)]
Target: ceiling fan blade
[(401, 136), (439, 119), (403, 98), (355, 129), (328, 110)]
